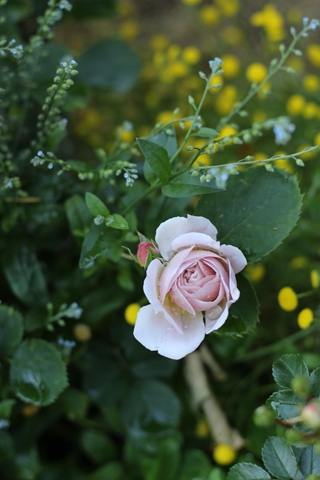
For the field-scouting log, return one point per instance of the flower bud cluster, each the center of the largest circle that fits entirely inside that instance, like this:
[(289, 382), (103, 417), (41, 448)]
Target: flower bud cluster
[(49, 120), (11, 47)]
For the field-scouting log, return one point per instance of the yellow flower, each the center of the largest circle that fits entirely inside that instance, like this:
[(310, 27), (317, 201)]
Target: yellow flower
[(216, 80), (299, 262), (173, 52), (260, 156), (131, 313), (256, 272), (271, 20), (264, 90), (305, 156), (224, 454), (191, 55), (191, 2), (177, 69), (295, 104), (315, 280), (305, 318), (287, 299), (311, 83), (226, 100), (159, 41), (127, 136), (129, 30), (317, 139), (259, 116), (313, 54), (230, 65), (285, 164), (204, 161), (165, 116), (310, 110), (232, 35), (202, 429), (82, 332), (294, 15), (227, 131), (209, 15), (296, 63), (229, 8), (256, 72)]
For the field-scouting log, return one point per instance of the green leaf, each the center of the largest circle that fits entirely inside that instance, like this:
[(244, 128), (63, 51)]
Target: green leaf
[(244, 313), (98, 446), (38, 374), (97, 242), (111, 471), (109, 64), (194, 464), (103, 380), (279, 459), (315, 382), (186, 186), (25, 277), (206, 132), (247, 471), (11, 328), (150, 401), (74, 403), (78, 216), (157, 157), (256, 212), (310, 461), (117, 221), (6, 407), (6, 446), (169, 143), (288, 367), (286, 404), (96, 206), (156, 466)]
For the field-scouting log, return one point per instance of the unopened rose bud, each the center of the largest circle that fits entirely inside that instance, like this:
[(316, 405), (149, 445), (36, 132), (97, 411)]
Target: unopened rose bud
[(310, 414), (263, 416), (300, 385), (292, 436), (143, 251)]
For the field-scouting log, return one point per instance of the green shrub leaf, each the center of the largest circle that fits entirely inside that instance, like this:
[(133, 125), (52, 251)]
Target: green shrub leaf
[(310, 461), (157, 157), (109, 64), (247, 471), (256, 212), (23, 272), (279, 459), (186, 186), (288, 367), (38, 374), (11, 328), (206, 132), (96, 206)]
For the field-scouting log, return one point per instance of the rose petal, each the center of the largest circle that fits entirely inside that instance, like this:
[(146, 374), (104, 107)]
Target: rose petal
[(174, 227), (201, 240), (151, 289), (154, 332), (237, 259), (172, 271), (214, 322)]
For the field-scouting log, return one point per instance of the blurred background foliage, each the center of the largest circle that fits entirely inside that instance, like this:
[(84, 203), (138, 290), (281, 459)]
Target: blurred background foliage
[(127, 412)]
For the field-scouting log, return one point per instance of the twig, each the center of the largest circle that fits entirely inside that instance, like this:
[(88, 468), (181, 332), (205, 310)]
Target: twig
[(204, 398), (214, 367)]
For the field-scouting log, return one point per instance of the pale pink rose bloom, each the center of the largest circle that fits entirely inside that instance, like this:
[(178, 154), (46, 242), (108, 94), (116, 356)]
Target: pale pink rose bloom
[(191, 290)]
